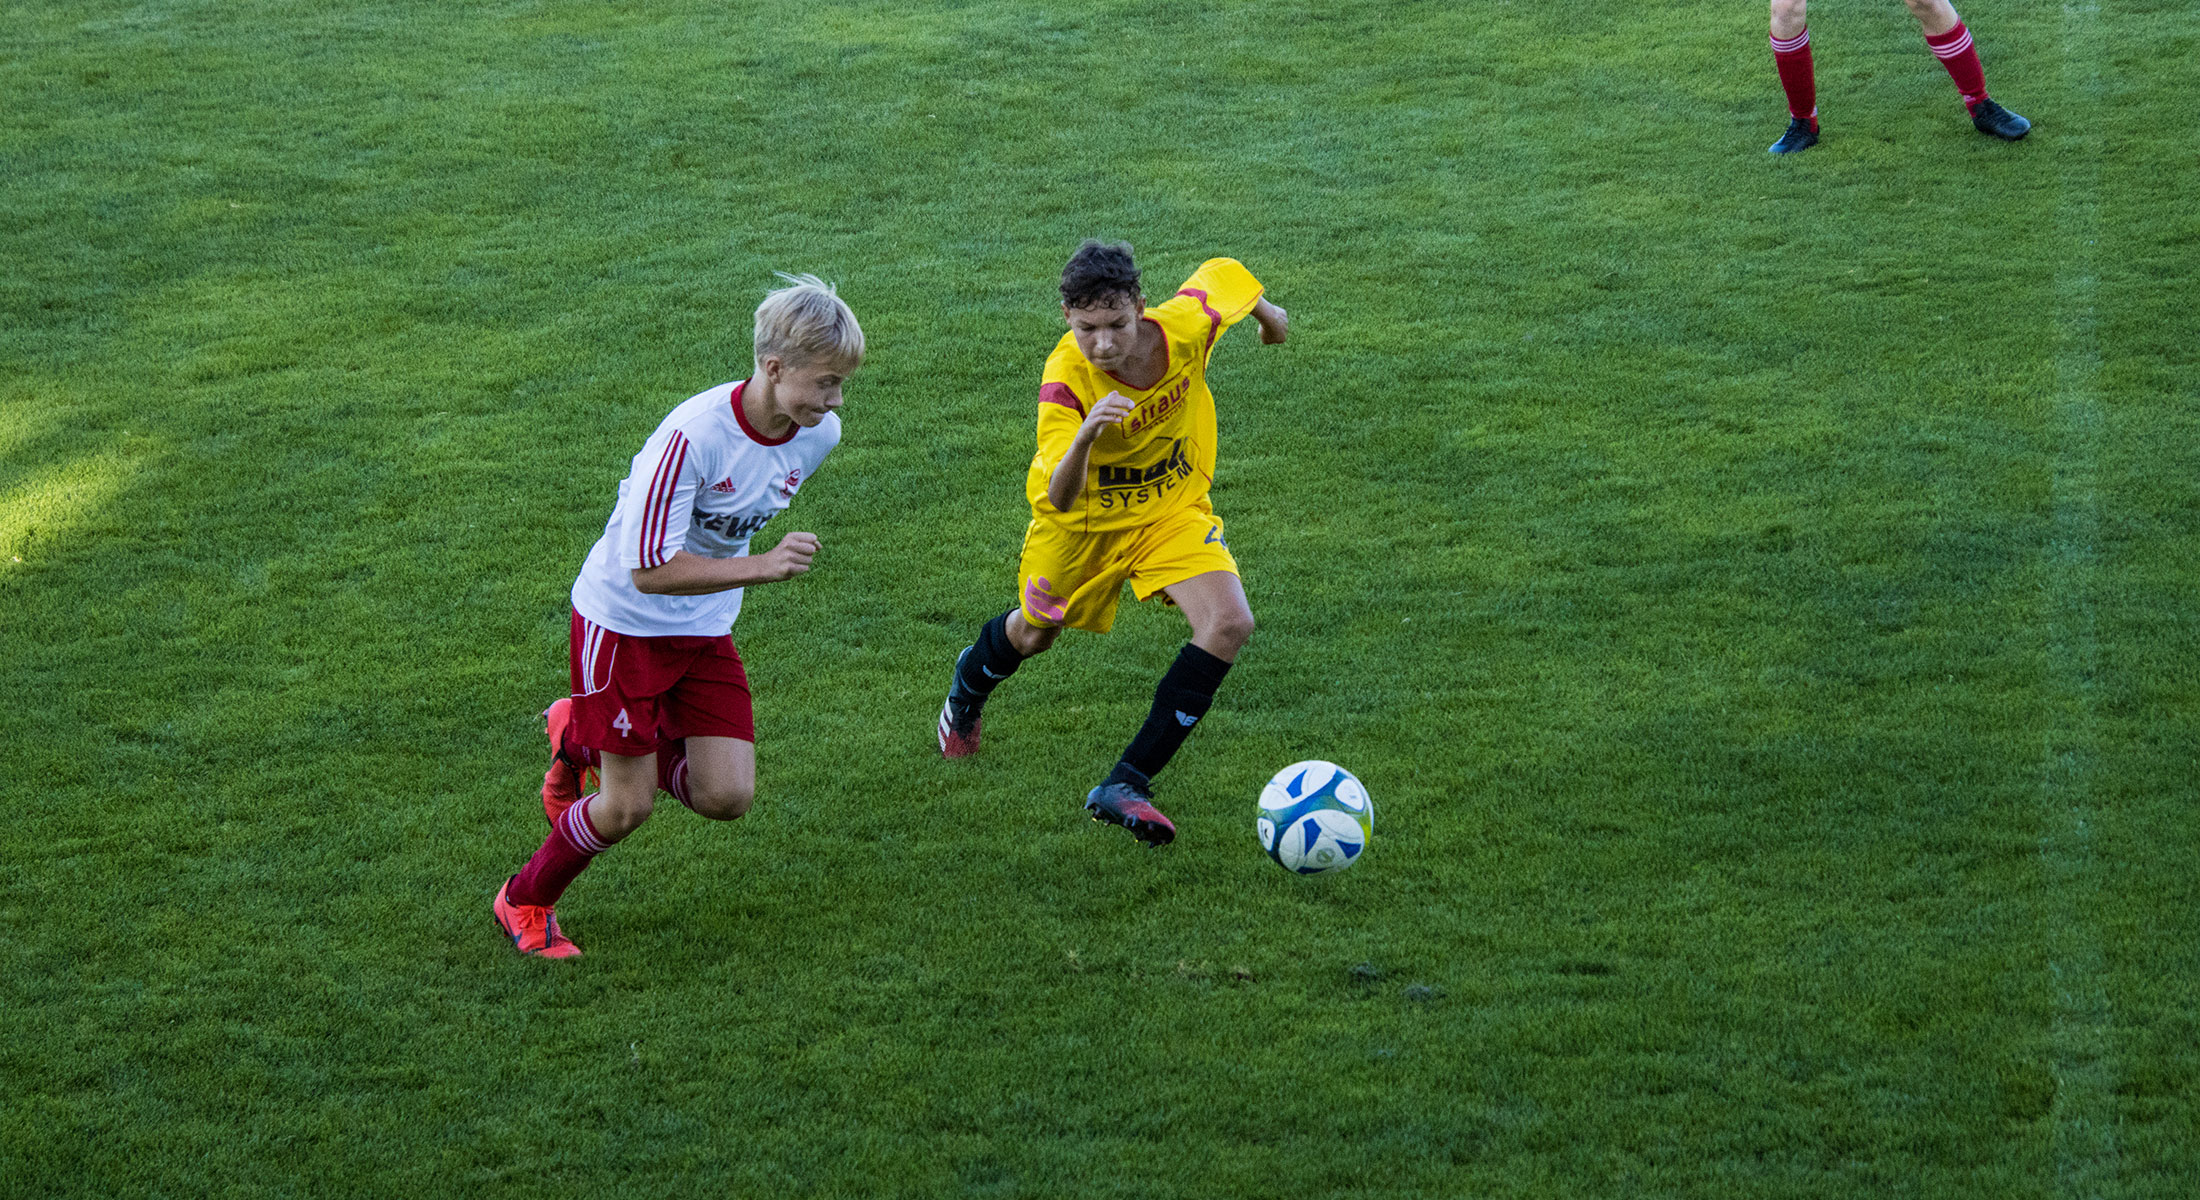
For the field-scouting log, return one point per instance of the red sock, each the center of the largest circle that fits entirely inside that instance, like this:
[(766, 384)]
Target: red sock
[(1955, 52), (1792, 57), (672, 770), (573, 843)]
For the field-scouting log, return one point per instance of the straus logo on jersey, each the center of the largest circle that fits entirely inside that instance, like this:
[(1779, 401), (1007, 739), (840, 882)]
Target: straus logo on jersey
[(724, 487), (791, 484)]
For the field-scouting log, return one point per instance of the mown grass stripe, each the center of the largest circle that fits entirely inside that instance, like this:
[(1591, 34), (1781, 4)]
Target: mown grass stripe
[(2085, 1144)]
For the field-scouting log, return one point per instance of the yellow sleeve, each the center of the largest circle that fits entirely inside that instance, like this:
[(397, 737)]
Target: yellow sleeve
[(1061, 415), (1227, 289)]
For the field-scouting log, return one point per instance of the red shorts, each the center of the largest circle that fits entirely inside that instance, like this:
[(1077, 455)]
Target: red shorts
[(634, 694)]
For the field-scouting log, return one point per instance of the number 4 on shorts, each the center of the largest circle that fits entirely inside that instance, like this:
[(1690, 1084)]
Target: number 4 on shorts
[(624, 726)]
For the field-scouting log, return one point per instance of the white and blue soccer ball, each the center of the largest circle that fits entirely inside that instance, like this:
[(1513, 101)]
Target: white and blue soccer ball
[(1315, 817)]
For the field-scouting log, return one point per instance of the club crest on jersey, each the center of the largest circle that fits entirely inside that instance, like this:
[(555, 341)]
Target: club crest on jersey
[(791, 484), (725, 487)]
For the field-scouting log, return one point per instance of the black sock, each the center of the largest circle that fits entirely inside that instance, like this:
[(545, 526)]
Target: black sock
[(1178, 703), (990, 659)]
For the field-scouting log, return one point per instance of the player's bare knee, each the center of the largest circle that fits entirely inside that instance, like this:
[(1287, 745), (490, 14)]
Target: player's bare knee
[(722, 803), (620, 815), (1788, 17), (1031, 639), (1231, 630)]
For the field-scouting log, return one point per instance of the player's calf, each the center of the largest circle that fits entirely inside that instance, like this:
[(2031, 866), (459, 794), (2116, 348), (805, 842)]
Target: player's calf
[(1180, 701), (979, 668)]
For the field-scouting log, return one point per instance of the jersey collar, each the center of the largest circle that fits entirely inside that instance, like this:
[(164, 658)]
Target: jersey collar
[(743, 417)]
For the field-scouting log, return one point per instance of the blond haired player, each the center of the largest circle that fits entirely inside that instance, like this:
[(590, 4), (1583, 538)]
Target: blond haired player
[(1118, 494), (660, 699)]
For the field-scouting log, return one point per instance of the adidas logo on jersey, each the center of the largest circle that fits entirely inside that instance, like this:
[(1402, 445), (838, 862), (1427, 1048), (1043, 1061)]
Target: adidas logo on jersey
[(725, 487)]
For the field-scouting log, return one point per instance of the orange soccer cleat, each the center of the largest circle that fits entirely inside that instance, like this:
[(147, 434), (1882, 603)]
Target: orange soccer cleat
[(533, 928)]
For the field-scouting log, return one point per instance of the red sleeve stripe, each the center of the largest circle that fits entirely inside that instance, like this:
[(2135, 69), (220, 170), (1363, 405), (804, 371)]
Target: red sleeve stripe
[(657, 505), (1059, 393), (1214, 319)]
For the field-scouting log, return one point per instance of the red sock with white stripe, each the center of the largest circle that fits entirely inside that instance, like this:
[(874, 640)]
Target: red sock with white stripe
[(1955, 52), (1792, 57), (672, 770), (573, 843)]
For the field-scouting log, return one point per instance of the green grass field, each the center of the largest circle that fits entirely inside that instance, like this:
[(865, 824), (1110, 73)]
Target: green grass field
[(1762, 597)]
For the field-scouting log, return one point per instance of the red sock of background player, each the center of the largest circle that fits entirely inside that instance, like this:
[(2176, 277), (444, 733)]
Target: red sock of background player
[(1955, 52), (672, 770), (1792, 57), (573, 843)]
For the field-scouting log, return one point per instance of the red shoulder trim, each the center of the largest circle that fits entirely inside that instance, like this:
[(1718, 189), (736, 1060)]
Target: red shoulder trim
[(1059, 393), (1214, 319)]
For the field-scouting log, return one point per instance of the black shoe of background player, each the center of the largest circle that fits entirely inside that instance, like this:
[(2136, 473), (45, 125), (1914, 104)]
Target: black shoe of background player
[(1802, 134), (1992, 118)]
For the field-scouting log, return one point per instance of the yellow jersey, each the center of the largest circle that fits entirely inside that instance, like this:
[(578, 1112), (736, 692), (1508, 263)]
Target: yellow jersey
[(1161, 458)]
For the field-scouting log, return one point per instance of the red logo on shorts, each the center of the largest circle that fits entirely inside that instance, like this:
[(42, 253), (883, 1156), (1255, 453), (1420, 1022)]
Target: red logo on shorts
[(724, 487)]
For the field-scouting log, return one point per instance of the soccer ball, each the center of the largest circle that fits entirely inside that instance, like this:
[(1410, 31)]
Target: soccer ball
[(1315, 817)]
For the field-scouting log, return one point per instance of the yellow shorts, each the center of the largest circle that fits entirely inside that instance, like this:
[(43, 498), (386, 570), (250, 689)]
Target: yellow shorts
[(1074, 579)]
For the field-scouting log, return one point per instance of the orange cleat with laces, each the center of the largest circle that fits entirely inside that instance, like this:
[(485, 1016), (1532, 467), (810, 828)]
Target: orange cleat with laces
[(533, 928)]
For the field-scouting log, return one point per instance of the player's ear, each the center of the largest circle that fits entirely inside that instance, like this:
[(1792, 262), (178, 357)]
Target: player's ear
[(773, 367)]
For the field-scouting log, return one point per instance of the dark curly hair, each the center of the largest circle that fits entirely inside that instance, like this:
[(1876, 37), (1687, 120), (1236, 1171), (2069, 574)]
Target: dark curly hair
[(1098, 273)]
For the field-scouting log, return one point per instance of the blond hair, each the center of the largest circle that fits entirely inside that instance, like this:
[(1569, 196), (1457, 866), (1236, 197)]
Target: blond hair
[(806, 321)]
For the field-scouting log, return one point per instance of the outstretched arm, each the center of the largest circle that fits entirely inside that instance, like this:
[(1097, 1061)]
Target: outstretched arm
[(1275, 324)]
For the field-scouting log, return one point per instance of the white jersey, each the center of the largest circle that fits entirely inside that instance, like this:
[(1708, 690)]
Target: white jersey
[(705, 482)]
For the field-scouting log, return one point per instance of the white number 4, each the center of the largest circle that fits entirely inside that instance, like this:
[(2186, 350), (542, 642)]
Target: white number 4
[(624, 726)]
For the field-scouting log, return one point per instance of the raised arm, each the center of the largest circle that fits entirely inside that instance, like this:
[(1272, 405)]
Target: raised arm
[(1068, 480), (1275, 324)]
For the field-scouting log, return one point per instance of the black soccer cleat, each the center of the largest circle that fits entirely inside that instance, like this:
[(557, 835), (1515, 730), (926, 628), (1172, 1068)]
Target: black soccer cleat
[(1122, 804), (1992, 118), (959, 716), (1801, 135), (959, 731)]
